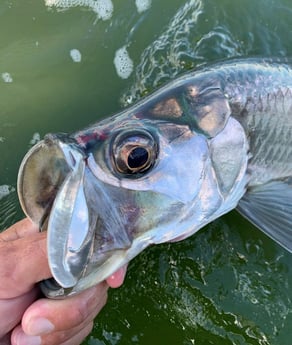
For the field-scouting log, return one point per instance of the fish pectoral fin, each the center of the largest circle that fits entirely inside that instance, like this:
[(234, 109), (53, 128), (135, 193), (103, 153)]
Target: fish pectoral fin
[(269, 207)]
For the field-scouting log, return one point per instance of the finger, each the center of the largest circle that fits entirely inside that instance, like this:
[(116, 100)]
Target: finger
[(45, 316), (70, 337), (13, 309), (23, 263), (66, 336), (117, 279), (6, 339), (20, 229)]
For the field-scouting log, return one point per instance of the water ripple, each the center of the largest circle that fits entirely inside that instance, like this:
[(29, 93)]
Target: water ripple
[(216, 287), (9, 206), (161, 59), (204, 31)]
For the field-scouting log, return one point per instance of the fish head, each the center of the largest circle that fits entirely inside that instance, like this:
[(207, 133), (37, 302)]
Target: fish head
[(155, 173)]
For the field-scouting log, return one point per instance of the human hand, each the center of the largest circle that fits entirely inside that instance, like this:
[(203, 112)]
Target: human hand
[(29, 318)]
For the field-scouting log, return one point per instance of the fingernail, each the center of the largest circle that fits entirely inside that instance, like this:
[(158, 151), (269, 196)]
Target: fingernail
[(39, 326), (22, 339)]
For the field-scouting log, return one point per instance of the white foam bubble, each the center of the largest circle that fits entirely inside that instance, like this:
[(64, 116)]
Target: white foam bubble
[(143, 5), (123, 63), (75, 55), (35, 138), (103, 8), (7, 78), (5, 190)]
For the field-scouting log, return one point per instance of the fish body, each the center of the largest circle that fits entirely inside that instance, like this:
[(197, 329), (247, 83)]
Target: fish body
[(210, 141)]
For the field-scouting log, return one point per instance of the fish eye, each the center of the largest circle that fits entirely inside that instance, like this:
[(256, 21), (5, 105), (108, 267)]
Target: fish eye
[(134, 154)]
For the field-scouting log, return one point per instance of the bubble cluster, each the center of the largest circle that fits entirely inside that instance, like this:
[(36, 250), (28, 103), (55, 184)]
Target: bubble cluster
[(7, 77), (143, 5), (75, 55), (35, 138), (5, 190), (103, 8), (123, 63)]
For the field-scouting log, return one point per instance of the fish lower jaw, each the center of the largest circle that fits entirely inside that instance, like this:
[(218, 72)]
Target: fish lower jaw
[(95, 275)]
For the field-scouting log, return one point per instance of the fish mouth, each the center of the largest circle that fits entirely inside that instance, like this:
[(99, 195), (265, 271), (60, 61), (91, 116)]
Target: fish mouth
[(96, 273), (86, 236), (53, 289)]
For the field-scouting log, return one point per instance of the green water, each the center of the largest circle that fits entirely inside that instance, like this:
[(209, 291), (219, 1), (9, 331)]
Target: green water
[(228, 284)]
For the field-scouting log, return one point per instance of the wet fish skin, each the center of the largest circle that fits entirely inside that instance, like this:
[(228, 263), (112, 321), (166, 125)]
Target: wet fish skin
[(261, 100), (208, 142)]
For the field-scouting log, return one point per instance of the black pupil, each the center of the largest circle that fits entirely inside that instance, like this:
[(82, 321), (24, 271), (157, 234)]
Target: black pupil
[(137, 158)]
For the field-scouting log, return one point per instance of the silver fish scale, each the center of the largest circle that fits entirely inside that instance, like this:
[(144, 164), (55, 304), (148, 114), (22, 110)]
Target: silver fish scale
[(263, 105)]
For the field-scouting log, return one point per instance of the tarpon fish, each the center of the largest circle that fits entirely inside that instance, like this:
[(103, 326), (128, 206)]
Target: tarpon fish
[(210, 141)]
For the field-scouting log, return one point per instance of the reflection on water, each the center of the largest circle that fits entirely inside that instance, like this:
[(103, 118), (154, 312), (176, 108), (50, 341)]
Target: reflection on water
[(227, 285)]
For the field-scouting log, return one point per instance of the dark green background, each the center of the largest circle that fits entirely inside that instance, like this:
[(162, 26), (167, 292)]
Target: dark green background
[(228, 284)]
